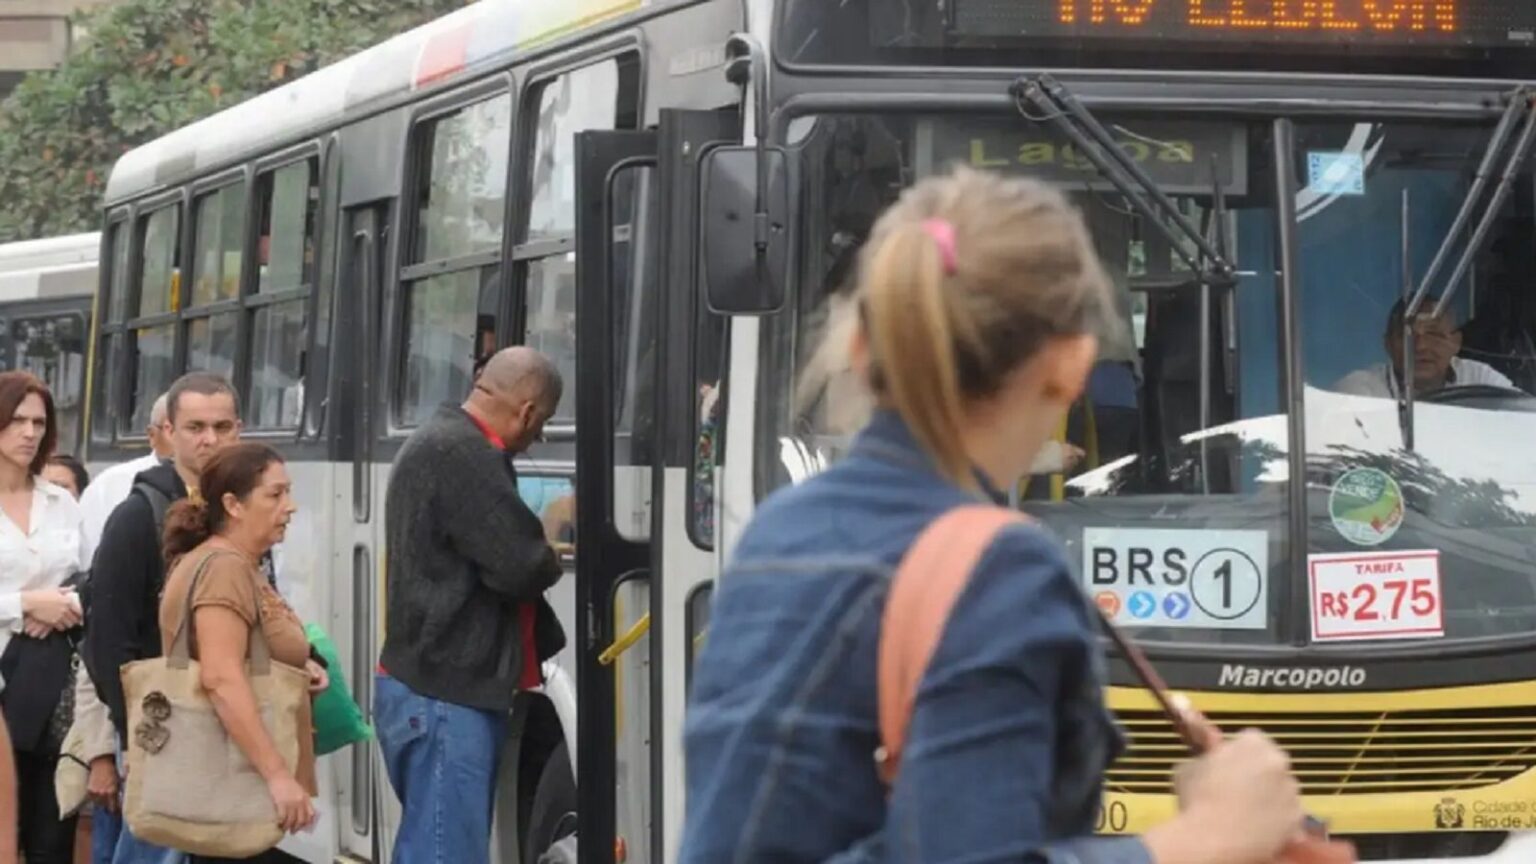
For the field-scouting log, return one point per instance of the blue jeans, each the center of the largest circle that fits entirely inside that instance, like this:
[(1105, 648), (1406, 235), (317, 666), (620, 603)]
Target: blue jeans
[(105, 828), (130, 849), (442, 761)]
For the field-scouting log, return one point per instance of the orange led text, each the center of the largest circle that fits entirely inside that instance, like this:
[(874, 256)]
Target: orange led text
[(1385, 16)]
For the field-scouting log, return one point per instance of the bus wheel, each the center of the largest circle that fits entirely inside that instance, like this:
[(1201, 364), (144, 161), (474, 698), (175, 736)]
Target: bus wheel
[(551, 837)]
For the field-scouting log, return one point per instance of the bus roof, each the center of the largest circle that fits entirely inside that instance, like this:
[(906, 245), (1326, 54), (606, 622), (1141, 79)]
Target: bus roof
[(51, 267), (458, 45), (50, 252)]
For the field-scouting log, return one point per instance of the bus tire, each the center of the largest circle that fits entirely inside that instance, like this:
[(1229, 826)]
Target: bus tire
[(553, 815)]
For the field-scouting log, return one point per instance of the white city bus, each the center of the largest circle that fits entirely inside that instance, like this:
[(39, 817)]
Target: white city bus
[(46, 288), (665, 195), (345, 248)]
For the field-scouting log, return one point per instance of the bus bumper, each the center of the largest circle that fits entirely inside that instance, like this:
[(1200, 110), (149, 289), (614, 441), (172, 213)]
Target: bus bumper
[(1518, 849)]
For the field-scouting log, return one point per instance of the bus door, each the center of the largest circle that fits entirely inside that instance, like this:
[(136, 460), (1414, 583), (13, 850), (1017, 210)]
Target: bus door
[(614, 419), (692, 402), (635, 391), (358, 532)]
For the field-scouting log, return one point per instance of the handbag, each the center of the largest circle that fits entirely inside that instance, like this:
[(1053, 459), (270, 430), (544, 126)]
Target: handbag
[(923, 592), (38, 702), (338, 720), (190, 787)]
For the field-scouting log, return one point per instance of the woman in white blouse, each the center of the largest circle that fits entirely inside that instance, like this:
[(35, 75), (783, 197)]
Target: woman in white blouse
[(40, 541)]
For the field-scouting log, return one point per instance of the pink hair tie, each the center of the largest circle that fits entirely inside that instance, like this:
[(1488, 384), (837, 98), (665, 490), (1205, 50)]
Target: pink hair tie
[(943, 234)]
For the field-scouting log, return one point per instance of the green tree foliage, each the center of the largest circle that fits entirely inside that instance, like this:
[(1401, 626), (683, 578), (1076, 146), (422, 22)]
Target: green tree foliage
[(146, 67)]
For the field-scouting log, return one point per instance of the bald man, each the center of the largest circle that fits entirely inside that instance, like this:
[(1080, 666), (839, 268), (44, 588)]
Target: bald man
[(467, 625)]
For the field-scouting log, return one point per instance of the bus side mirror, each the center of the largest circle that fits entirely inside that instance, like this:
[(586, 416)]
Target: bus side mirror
[(745, 229)]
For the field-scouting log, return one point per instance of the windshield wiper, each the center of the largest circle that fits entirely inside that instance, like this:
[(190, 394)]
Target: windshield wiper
[(1520, 101), (1067, 113), (1211, 270)]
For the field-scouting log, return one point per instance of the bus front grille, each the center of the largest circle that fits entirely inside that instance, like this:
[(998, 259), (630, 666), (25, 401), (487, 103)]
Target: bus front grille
[(1354, 753)]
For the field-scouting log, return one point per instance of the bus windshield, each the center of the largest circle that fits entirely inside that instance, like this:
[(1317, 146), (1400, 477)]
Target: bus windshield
[(1170, 481)]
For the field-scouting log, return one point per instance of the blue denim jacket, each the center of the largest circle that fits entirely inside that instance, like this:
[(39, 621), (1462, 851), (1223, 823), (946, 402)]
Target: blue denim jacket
[(1009, 738)]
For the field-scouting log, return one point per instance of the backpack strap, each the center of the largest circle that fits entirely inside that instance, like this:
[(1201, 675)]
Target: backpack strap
[(159, 503), (925, 588)]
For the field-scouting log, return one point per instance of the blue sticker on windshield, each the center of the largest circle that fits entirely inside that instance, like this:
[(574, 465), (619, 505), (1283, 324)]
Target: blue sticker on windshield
[(1335, 173)]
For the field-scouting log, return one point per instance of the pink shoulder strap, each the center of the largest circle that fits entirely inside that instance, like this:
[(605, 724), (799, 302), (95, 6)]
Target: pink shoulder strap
[(924, 590)]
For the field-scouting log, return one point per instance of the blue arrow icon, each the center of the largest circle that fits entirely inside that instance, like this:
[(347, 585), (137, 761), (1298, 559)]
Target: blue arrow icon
[(1142, 604), (1176, 606)]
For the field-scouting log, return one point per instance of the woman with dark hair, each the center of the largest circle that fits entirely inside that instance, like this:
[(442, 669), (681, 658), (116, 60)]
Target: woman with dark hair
[(242, 511), (66, 472), (40, 541)]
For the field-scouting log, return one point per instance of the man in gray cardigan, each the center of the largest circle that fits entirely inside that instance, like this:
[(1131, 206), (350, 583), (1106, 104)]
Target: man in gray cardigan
[(466, 624)]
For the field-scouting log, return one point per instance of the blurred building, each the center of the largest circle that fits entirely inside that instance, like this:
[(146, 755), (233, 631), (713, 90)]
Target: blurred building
[(35, 34)]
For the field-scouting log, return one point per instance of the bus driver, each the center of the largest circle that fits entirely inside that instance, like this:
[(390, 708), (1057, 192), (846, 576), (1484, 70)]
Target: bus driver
[(1436, 342)]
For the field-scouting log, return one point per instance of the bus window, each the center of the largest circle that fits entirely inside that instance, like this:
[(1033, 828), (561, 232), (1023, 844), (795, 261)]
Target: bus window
[(290, 201), (109, 347), (634, 270), (160, 261), (579, 101), (709, 365), (1451, 475), (52, 347), (462, 193), (118, 285), (439, 343), (153, 343), (596, 97), (285, 258), (211, 344), (220, 226), (551, 319), (460, 208)]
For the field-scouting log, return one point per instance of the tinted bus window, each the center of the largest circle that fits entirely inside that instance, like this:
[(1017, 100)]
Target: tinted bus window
[(153, 342), (285, 257), (460, 214)]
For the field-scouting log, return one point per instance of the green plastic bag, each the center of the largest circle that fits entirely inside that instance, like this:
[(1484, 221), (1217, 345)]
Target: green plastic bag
[(338, 722)]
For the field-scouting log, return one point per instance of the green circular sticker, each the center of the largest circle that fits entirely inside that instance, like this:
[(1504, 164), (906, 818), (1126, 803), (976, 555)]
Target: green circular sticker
[(1366, 506)]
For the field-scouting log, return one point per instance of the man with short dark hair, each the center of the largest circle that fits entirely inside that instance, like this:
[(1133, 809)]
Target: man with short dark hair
[(467, 625), (128, 571), (1436, 344)]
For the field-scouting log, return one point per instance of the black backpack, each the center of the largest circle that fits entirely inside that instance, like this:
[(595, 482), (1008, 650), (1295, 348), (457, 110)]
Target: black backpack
[(159, 503)]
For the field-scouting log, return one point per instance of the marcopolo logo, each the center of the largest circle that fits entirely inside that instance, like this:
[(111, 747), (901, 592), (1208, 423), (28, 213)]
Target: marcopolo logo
[(1291, 677)]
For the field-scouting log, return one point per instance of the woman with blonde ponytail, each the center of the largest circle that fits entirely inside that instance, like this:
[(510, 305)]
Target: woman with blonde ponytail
[(973, 321)]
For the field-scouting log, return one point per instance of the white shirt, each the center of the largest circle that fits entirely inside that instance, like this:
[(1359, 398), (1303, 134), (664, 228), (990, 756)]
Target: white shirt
[(1379, 380), (107, 490), (44, 557)]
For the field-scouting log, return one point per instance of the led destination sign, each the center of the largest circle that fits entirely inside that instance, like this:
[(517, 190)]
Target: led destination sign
[(1492, 24)]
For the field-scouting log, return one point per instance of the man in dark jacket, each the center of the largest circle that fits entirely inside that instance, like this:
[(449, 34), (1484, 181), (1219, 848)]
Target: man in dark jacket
[(466, 624), (202, 417)]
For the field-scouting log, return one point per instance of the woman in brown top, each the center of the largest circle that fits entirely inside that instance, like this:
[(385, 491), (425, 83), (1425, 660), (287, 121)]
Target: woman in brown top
[(242, 511)]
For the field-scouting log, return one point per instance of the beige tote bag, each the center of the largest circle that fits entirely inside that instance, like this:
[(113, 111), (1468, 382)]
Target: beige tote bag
[(190, 786)]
